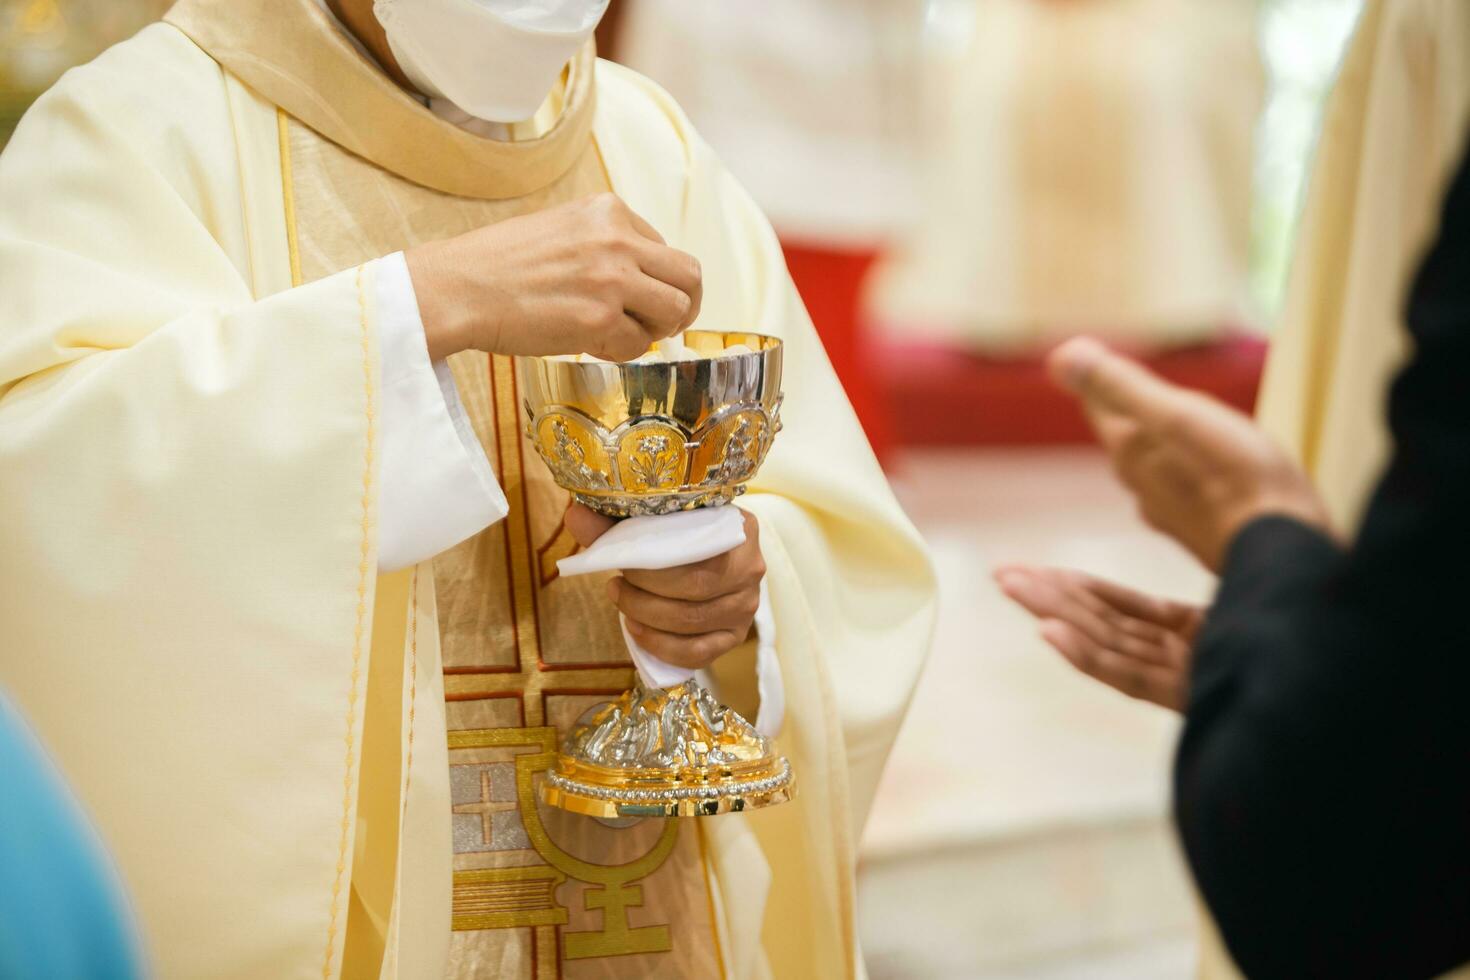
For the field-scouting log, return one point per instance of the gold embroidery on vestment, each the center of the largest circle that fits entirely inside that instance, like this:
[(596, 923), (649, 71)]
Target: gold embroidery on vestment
[(525, 651), (615, 893)]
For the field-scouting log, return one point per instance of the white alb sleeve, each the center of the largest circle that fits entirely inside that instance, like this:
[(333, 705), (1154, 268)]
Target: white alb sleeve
[(436, 487)]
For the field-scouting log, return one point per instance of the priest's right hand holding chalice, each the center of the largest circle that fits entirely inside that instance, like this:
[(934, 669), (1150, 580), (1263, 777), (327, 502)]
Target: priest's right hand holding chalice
[(689, 615)]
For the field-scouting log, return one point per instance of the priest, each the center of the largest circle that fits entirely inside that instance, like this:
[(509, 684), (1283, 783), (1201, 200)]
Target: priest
[(1087, 168), (279, 580)]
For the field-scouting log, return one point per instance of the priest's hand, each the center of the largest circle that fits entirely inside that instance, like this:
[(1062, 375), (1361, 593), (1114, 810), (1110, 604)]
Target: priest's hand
[(586, 277), (1138, 644), (688, 616), (1201, 471)]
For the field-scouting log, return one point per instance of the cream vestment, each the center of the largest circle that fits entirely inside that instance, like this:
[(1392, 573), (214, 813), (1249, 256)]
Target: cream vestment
[(305, 769)]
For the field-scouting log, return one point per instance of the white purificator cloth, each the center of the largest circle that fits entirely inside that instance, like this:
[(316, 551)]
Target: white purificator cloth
[(683, 538)]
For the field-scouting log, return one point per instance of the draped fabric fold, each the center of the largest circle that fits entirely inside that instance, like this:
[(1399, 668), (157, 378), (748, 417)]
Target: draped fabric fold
[(187, 504)]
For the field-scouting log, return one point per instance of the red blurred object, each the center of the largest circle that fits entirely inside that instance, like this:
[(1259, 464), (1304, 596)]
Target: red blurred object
[(830, 282), (931, 394), (942, 396)]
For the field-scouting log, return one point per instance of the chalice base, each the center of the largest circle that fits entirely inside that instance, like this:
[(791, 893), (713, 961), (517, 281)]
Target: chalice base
[(667, 752)]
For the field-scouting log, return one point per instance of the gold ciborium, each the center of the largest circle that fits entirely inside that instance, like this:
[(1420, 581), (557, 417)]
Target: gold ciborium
[(655, 437)]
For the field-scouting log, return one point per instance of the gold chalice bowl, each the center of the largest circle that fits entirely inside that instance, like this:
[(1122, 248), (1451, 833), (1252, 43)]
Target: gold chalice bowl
[(655, 437)]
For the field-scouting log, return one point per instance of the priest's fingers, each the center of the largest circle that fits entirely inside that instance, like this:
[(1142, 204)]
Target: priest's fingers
[(699, 582), (693, 652), (586, 525), (712, 578), (662, 309), (643, 227), (1147, 682), (618, 338), (679, 269), (734, 612)]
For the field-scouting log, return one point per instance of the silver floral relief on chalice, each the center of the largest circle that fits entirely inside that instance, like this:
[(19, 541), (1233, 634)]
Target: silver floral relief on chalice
[(569, 460), (656, 461), (664, 729)]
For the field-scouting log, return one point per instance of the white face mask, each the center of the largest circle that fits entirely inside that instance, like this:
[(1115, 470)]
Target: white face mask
[(495, 59)]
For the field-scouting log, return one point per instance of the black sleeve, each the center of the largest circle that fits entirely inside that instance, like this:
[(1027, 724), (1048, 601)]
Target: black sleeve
[(1323, 780)]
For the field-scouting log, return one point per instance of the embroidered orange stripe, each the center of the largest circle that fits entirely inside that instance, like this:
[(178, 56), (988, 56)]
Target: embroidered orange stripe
[(288, 196), (365, 571), (413, 678)]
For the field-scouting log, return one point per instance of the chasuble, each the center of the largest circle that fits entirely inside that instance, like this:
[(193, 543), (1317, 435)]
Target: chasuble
[(308, 769)]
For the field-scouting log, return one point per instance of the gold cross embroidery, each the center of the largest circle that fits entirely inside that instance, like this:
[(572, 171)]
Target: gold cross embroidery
[(486, 808)]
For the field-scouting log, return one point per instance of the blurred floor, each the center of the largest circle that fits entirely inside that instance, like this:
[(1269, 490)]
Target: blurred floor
[(1020, 832)]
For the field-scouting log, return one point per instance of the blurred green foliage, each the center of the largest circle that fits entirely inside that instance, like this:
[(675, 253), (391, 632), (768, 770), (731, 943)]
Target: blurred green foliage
[(1301, 42), (40, 39)]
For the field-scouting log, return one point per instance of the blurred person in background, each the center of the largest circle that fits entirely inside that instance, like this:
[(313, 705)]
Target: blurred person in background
[(811, 103), (1394, 132), (40, 39), (1087, 166), (272, 540)]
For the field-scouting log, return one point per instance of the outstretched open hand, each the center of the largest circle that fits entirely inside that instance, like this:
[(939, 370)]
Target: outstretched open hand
[(1139, 644), (1199, 470)]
